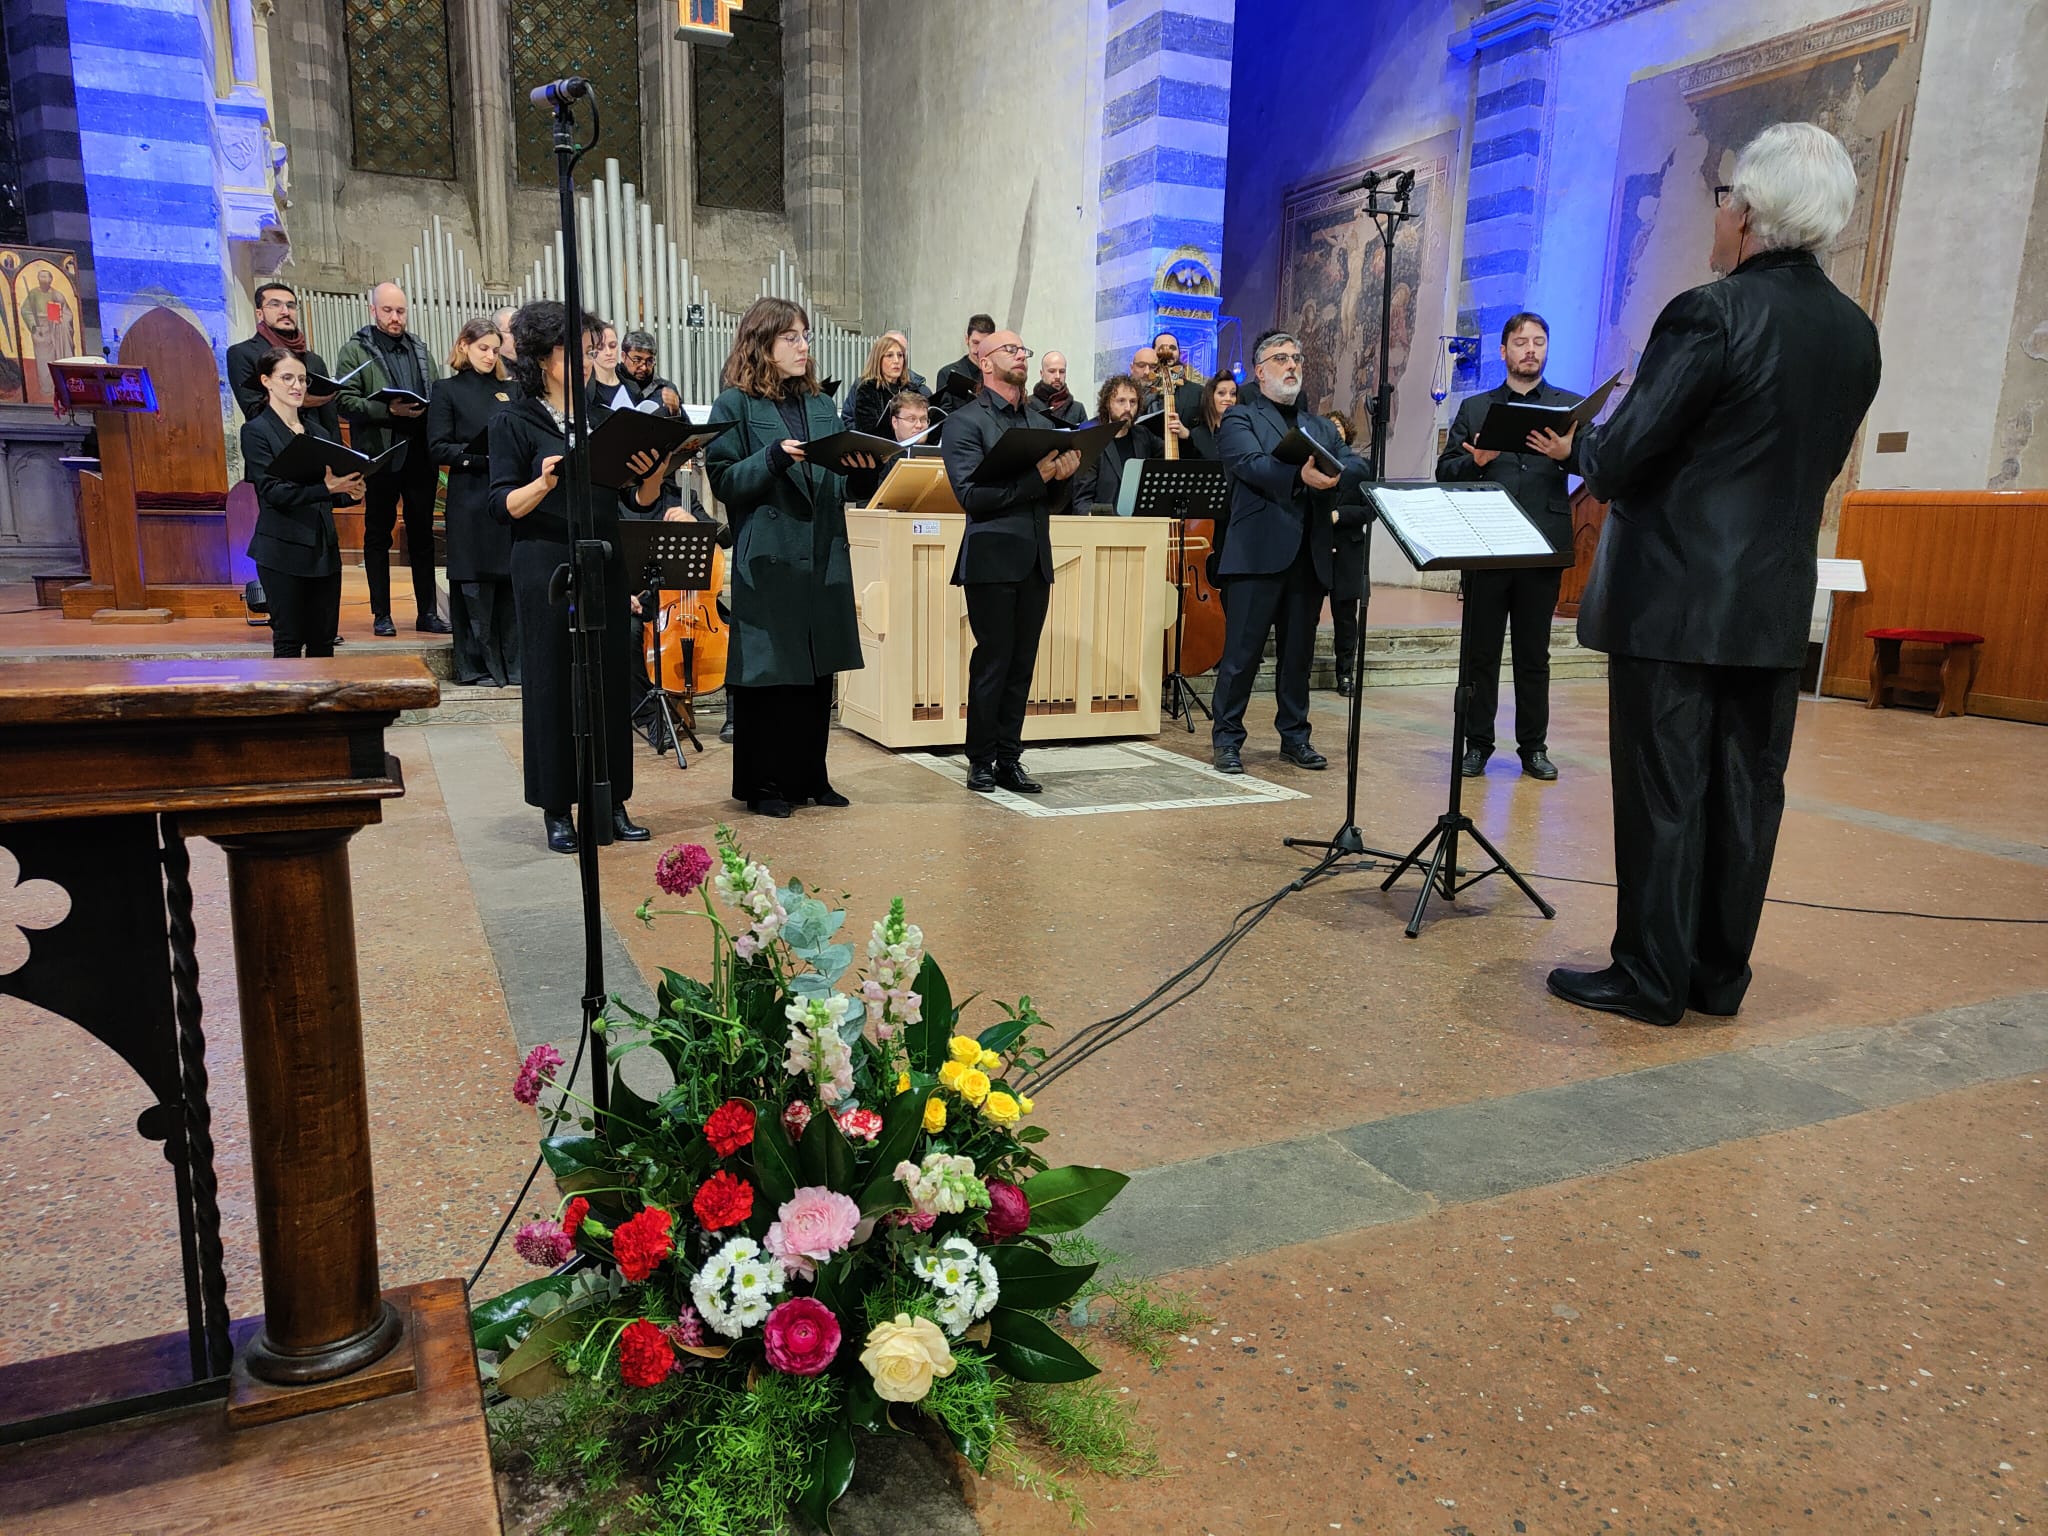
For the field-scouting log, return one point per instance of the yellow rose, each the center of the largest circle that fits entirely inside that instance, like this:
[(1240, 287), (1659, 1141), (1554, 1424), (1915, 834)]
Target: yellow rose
[(903, 1082), (963, 1050), (935, 1114), (904, 1356), (1002, 1109), (989, 1061), (973, 1086), (951, 1073), (1024, 1103)]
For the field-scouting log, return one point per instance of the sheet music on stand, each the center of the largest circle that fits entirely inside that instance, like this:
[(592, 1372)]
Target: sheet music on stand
[(1459, 528)]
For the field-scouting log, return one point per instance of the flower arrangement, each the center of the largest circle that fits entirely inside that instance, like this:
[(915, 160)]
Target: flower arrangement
[(835, 1213)]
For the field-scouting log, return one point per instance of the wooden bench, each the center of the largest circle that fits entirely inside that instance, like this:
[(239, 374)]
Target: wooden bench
[(1958, 663)]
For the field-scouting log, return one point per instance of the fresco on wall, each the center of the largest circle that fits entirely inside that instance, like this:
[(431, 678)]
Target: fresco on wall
[(1856, 76), (2019, 452), (1330, 268), (41, 320)]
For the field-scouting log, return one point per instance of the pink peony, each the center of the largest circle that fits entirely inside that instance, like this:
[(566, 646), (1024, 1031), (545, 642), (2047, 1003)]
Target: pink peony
[(801, 1336), (1009, 1211), (812, 1225), (683, 868), (539, 1068), (543, 1243), (795, 1118)]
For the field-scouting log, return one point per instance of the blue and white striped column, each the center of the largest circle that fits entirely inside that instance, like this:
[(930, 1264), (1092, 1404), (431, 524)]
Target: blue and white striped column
[(1165, 144)]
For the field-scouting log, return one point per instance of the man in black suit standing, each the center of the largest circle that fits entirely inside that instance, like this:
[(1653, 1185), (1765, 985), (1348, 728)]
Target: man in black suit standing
[(1005, 561), (960, 380), (1717, 465), (1277, 554), (277, 325), (1525, 599)]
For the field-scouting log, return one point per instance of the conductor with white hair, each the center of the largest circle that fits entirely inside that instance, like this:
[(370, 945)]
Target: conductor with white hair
[(1717, 464)]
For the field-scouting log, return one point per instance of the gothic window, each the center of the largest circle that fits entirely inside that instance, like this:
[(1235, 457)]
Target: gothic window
[(597, 39), (737, 92), (13, 211), (398, 87)]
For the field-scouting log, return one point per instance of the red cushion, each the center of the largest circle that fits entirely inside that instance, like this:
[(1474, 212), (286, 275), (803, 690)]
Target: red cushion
[(1926, 636)]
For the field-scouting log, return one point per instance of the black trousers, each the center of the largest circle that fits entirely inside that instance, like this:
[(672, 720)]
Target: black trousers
[(304, 612), (782, 754), (1287, 606), (546, 679), (1699, 758), (413, 484), (1344, 618), (1497, 603), (486, 639), (1007, 618)]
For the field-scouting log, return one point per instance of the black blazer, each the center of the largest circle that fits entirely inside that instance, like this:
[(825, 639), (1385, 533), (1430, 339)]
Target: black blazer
[(1717, 465), (460, 406), (1540, 485), (522, 436), (294, 523), (1102, 482), (1271, 510), (1008, 533), (254, 400)]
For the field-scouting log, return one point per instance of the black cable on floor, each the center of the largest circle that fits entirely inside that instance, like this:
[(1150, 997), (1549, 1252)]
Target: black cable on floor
[(555, 1117), (1829, 906)]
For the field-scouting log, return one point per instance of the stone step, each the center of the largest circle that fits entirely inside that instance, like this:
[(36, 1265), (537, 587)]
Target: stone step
[(1411, 658)]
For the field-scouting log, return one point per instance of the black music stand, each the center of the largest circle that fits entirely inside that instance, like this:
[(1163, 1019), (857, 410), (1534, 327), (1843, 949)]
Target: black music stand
[(669, 557), (1478, 552), (1179, 489)]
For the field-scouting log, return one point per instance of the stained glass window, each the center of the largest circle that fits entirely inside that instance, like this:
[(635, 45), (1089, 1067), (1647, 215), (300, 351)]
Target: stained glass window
[(597, 39), (398, 89), (737, 91)]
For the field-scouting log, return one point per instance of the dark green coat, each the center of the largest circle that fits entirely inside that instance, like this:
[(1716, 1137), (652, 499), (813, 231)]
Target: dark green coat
[(792, 579)]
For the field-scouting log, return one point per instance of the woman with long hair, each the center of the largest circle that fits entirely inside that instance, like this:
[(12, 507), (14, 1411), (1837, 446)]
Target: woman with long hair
[(1219, 394), (886, 375), (793, 623), (603, 373), (479, 546), (295, 546), (528, 440)]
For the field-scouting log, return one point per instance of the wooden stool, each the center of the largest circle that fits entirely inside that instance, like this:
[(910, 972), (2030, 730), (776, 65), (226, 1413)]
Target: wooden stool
[(1958, 661)]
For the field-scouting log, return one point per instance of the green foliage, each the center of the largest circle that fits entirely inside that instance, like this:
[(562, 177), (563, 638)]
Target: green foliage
[(734, 1460), (969, 1404), (1063, 1199), (926, 1039), (1088, 1424), (1033, 1280), (1030, 1350), (1144, 1320)]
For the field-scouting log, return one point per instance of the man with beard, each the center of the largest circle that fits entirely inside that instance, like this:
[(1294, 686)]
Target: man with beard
[(1145, 369), (1005, 561), (1187, 391), (1100, 483), (397, 359), (277, 325), (1278, 554), (960, 380), (1517, 601), (637, 376), (1052, 394)]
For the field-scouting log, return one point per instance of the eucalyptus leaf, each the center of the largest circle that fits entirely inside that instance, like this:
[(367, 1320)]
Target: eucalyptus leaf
[(809, 984), (832, 960)]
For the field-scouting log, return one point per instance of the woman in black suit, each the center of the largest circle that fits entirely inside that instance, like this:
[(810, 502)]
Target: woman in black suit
[(479, 546), (527, 443), (296, 550)]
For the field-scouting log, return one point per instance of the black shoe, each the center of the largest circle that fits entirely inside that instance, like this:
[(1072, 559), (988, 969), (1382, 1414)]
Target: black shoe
[(1226, 760), (625, 829), (341, 639), (382, 625), (433, 624), (1013, 778), (770, 806), (1609, 991), (831, 799), (561, 833), (1344, 681), (981, 778), (1303, 755), (1474, 764), (1537, 765), (725, 731)]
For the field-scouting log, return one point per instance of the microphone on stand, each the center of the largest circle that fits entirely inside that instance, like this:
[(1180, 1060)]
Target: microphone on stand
[(557, 93)]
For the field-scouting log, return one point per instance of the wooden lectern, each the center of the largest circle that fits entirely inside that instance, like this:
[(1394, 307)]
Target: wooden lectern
[(108, 768)]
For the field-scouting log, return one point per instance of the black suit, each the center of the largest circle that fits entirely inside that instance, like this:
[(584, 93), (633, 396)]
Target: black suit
[(254, 399), (296, 550), (1717, 464), (958, 384), (1524, 600), (1006, 566), (486, 638), (1277, 563), (1101, 483)]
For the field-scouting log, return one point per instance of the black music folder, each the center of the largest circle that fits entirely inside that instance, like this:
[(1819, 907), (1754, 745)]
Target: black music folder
[(1509, 422), (626, 433), (306, 459), (833, 452), (391, 394), (321, 384), (1297, 446), (1020, 449)]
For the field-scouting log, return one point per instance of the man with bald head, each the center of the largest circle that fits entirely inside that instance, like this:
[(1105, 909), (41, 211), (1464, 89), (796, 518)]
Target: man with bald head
[(396, 360), (1053, 395), (1145, 368), (1005, 560)]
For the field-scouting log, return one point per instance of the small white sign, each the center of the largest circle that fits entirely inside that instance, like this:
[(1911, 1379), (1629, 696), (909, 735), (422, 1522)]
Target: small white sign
[(1841, 576), (922, 527)]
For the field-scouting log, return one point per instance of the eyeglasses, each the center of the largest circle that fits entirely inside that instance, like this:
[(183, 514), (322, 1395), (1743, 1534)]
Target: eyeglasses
[(795, 336), (1281, 357), (1722, 196), (1010, 346)]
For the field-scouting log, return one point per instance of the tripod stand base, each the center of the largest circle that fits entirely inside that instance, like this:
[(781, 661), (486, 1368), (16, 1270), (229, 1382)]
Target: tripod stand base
[(1442, 876), (671, 710), (1180, 701)]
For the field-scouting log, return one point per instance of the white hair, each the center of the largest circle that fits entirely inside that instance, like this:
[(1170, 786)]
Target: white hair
[(1799, 186), (1268, 343)]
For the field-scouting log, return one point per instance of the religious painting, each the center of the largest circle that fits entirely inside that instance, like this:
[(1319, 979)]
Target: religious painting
[(1332, 262), (1855, 76), (41, 323)]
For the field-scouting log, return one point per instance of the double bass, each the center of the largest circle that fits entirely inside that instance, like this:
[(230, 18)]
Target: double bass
[(1197, 637), (688, 639)]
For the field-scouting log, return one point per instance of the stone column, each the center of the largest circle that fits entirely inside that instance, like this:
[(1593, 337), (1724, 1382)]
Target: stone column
[(820, 147), (1511, 125), (482, 73), (242, 41), (668, 132), (315, 103)]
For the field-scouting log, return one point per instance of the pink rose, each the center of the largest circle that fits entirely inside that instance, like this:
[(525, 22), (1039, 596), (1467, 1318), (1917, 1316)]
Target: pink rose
[(811, 1226), (801, 1336), (1009, 1211)]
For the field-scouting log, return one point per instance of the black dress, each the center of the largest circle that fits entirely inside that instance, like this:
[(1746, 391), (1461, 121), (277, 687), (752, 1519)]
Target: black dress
[(296, 550), (526, 433), (479, 544)]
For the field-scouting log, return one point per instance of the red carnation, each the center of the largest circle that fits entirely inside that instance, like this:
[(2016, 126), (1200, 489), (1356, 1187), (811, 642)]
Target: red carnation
[(643, 1242), (795, 1117), (645, 1354), (730, 1127), (572, 1218), (723, 1201), (859, 1124)]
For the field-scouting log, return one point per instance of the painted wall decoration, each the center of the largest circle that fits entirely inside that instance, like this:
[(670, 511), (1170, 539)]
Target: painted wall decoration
[(2019, 454), (41, 322), (1331, 262)]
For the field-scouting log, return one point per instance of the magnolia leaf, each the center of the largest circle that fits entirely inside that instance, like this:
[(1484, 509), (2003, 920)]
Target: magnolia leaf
[(706, 1351), (776, 1169), (530, 1370), (577, 1162), (628, 1110), (1064, 1199), (902, 1121), (824, 1155), (828, 1475), (503, 1320), (1032, 1133), (1030, 1350), (926, 1039), (978, 1334), (1033, 1281), (1001, 1036), (866, 1411)]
